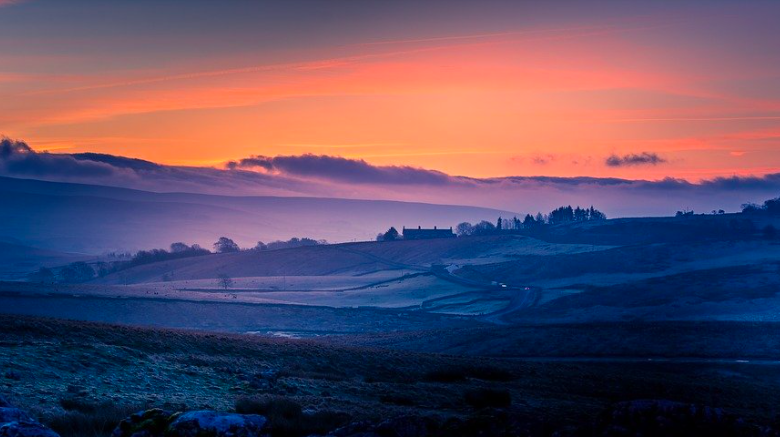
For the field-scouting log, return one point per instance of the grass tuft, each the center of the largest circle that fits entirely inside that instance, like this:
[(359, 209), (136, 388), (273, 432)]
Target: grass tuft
[(287, 419), (84, 419)]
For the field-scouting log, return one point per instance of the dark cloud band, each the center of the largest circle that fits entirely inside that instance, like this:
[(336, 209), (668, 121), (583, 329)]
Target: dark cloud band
[(644, 158), (344, 170), (329, 176)]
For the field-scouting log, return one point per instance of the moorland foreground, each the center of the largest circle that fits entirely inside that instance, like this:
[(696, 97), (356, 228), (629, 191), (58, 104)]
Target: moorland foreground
[(537, 332)]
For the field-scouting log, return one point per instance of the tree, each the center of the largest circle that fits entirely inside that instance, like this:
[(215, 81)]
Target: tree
[(770, 232), (560, 215), (529, 221), (464, 229), (261, 246), (499, 224), (391, 234), (294, 242), (42, 275), (771, 206), (179, 247), (224, 281), (595, 214), (484, 228), (225, 245), (749, 208)]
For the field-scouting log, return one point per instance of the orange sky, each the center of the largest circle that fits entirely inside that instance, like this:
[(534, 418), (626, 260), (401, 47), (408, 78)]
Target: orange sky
[(698, 87)]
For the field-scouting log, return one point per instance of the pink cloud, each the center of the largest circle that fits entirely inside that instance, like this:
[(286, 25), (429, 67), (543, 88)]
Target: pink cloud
[(11, 2)]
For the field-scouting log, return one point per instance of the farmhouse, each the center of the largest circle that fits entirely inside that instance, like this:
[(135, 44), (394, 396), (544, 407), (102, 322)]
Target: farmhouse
[(424, 234)]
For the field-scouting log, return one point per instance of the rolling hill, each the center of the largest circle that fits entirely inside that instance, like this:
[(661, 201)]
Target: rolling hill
[(17, 260), (346, 258), (95, 219)]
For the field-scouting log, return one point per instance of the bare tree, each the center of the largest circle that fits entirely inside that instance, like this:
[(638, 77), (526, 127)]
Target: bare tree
[(224, 281), (464, 229)]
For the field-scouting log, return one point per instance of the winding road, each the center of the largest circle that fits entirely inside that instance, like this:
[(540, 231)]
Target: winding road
[(520, 297)]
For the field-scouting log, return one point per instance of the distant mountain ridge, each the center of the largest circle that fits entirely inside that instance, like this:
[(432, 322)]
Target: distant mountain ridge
[(94, 219)]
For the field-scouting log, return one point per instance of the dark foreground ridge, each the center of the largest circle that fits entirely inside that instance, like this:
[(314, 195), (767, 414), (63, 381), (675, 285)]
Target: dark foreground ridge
[(83, 379)]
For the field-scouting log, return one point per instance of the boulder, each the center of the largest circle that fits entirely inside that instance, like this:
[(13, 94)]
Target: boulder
[(213, 424), (10, 414), (25, 429), (16, 423), (161, 423), (149, 423)]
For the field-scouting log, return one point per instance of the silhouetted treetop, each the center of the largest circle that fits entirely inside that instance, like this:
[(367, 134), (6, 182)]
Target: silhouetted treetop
[(226, 245), (771, 206), (292, 242), (391, 234)]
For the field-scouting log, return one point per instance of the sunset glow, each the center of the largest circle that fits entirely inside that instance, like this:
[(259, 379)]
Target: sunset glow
[(514, 90)]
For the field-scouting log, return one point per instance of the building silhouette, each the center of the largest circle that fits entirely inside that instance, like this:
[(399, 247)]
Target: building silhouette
[(425, 234)]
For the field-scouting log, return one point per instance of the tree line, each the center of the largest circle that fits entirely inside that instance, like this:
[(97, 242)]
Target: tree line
[(79, 272), (769, 207), (563, 214)]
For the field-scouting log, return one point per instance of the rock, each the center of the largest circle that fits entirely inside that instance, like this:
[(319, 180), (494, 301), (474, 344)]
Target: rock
[(25, 429), (161, 423), (213, 424), (149, 423), (16, 423), (10, 414)]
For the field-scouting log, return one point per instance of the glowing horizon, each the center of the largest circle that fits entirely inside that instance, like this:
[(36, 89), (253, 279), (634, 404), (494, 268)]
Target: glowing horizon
[(514, 89)]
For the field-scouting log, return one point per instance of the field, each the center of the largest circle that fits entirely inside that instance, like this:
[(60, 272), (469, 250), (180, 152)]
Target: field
[(452, 329), (64, 372), (556, 275)]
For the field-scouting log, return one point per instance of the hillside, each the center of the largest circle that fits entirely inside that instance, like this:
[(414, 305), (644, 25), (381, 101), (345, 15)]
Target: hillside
[(94, 219), (17, 260), (720, 272), (347, 258), (667, 341)]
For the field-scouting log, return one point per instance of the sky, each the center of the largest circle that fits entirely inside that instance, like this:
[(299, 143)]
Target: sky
[(648, 91)]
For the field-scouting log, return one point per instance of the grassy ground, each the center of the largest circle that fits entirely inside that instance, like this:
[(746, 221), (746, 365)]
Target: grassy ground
[(391, 289), (59, 370), (706, 340)]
